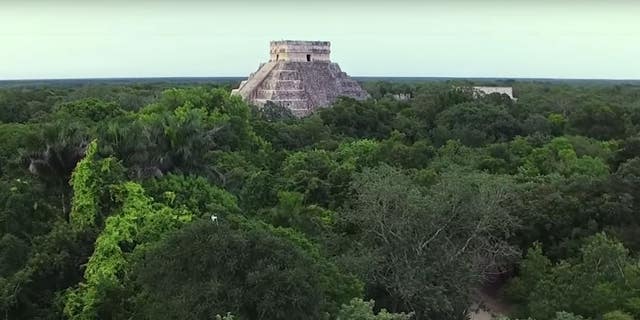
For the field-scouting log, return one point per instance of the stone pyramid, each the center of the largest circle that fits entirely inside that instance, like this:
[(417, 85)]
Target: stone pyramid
[(299, 76)]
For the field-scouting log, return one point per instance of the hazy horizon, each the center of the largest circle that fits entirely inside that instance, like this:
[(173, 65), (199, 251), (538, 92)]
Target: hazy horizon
[(457, 39)]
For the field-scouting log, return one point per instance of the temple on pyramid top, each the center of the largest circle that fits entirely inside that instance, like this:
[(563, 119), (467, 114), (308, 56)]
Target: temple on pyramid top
[(299, 76), (291, 50)]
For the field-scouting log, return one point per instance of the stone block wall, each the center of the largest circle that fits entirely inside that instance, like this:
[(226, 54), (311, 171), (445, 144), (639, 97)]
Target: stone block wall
[(300, 51)]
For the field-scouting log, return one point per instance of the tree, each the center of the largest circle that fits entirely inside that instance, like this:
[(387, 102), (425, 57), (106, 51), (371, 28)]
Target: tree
[(475, 124), (599, 121), (559, 156), (248, 269), (180, 133), (538, 124), (414, 202), (313, 221), (617, 315), (64, 145), (310, 173), (274, 112), (629, 149), (602, 280), (33, 290), (362, 119), (14, 139), (22, 104), (90, 109), (193, 193), (559, 316), (139, 223), (91, 180), (359, 309), (260, 190), (13, 253), (426, 250)]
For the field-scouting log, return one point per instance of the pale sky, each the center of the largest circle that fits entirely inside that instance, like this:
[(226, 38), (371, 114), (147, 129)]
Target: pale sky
[(517, 38)]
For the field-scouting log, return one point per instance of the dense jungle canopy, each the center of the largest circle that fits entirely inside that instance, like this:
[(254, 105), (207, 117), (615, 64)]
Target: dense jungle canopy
[(156, 201)]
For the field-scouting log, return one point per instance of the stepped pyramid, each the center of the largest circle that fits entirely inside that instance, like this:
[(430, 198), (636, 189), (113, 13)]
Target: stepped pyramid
[(299, 76)]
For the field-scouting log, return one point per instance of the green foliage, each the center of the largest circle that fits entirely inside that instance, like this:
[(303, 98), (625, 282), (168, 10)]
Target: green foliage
[(273, 112), (396, 152), (31, 292), (313, 173), (90, 109), (454, 156), (558, 156), (567, 316), (420, 247), (358, 309), (558, 122), (628, 149), (13, 254), (14, 137), (337, 284), (290, 212), (617, 315), (27, 207), (84, 207), (359, 119), (476, 123), (91, 181), (233, 169), (192, 193), (598, 121), (19, 105), (302, 133), (227, 316), (532, 270), (246, 269), (138, 222), (602, 280), (359, 153), (414, 197), (181, 132), (559, 316)]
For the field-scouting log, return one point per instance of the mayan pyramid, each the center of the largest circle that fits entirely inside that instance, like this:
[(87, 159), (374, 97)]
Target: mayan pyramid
[(299, 76)]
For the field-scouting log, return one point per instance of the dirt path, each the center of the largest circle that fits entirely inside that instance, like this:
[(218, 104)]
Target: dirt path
[(487, 307)]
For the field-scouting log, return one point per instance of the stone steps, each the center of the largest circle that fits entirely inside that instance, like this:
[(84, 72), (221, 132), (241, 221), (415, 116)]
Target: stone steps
[(279, 94), (248, 89), (301, 86), (282, 85)]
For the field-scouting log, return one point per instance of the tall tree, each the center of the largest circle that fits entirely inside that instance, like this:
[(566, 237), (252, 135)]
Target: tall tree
[(424, 251)]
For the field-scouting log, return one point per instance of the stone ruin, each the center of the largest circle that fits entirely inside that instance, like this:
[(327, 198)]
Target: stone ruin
[(481, 91), (299, 76)]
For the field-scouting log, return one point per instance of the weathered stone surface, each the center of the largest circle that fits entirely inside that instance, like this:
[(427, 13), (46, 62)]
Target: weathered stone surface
[(299, 76), (480, 91)]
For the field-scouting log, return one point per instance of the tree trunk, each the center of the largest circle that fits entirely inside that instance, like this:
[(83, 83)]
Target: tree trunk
[(65, 205), (65, 196)]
